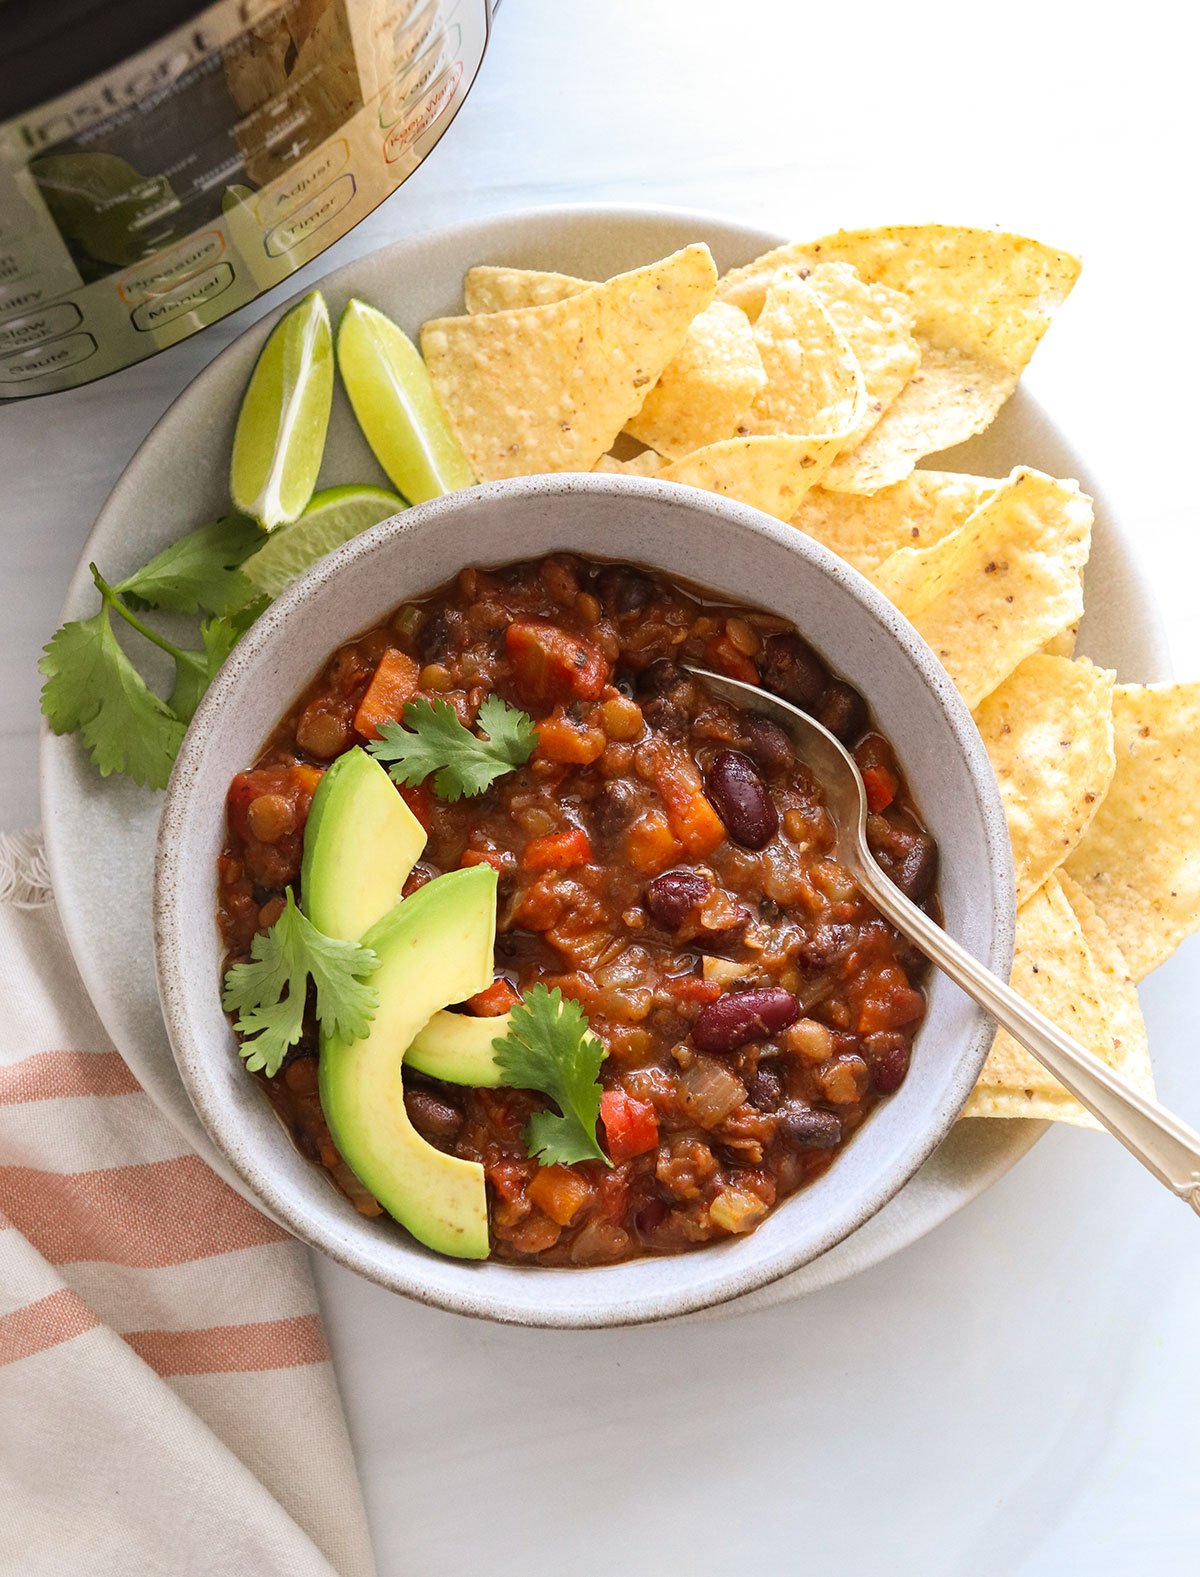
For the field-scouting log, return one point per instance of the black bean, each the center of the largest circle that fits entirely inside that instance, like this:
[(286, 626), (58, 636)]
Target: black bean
[(887, 1054), (821, 948), (909, 856), (809, 1125), (663, 716), (766, 1088), (623, 590), (742, 1016), (614, 808), (843, 712), (661, 677), (768, 744), (741, 798), (439, 635), (791, 668), (431, 1115), (650, 1217), (671, 897)]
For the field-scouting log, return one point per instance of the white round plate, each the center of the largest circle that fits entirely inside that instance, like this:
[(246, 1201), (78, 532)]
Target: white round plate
[(100, 834)]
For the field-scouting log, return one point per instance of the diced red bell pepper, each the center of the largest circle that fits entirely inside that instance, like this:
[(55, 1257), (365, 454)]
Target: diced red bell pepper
[(489, 856), (557, 851), (551, 664), (881, 786), (495, 1000), (392, 687), (631, 1126)]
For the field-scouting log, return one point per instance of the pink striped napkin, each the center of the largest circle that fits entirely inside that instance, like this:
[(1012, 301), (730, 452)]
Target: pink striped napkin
[(167, 1403)]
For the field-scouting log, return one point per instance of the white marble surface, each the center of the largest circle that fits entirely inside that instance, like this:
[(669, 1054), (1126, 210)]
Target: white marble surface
[(1019, 1393)]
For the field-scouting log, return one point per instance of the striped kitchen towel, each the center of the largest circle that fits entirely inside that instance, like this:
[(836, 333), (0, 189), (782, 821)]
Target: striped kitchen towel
[(167, 1403)]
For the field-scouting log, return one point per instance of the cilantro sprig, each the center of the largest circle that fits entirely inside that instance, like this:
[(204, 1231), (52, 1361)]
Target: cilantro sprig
[(549, 1048), (433, 741), (93, 688), (269, 994)]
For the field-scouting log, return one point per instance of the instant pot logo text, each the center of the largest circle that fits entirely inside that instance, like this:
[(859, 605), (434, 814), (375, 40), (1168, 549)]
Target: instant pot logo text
[(146, 76)]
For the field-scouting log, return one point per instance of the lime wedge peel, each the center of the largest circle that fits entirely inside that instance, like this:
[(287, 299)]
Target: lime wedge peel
[(332, 517), (396, 407), (281, 426)]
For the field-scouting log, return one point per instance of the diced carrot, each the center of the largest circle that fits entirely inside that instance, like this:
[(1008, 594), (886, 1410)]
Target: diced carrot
[(495, 1000), (557, 851), (392, 687), (559, 1193), (551, 664), (650, 845), (630, 1126), (887, 1000), (881, 786), (489, 856), (571, 743), (693, 820)]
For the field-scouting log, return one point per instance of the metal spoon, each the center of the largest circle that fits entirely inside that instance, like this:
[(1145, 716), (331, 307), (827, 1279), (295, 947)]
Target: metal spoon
[(1163, 1143)]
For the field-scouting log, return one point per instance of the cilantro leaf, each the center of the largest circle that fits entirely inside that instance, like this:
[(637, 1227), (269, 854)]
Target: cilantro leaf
[(93, 688), (270, 992), (548, 1048), (199, 573), (195, 671), (434, 741)]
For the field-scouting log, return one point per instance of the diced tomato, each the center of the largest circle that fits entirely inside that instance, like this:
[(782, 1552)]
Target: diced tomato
[(720, 653), (540, 906), (296, 784), (551, 664), (693, 820), (559, 1193), (420, 801), (887, 1000), (881, 786), (575, 744), (693, 988), (392, 687), (494, 1001), (557, 851), (631, 1126), (650, 845)]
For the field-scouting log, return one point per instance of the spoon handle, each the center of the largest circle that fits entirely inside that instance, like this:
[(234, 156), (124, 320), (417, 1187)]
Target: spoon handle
[(1163, 1143)]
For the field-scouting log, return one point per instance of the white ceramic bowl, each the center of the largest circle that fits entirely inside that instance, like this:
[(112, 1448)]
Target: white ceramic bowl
[(683, 532)]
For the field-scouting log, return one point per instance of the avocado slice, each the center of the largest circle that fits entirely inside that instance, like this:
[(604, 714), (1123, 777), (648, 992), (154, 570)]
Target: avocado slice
[(457, 1048), (360, 845), (434, 948)]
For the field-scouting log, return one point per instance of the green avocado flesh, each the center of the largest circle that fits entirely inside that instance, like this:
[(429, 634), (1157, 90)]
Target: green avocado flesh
[(457, 1048), (434, 948), (360, 844)]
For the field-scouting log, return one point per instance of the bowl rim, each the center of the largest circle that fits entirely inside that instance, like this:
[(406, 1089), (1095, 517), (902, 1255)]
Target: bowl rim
[(175, 981)]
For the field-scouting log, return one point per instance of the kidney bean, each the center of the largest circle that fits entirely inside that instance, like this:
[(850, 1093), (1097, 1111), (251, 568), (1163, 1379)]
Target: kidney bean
[(742, 1016), (741, 799), (843, 712), (768, 744), (887, 1057), (907, 855), (791, 668), (650, 1217), (671, 897), (808, 1125)]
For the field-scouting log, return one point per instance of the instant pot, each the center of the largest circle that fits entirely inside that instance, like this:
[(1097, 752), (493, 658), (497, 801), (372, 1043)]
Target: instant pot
[(163, 162)]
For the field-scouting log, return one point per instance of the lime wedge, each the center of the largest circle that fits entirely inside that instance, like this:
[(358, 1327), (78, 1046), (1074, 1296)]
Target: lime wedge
[(281, 426), (396, 407), (333, 517)]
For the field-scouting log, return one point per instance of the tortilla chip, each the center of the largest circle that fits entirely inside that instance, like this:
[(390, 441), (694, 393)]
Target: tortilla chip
[(877, 325), (704, 391), (1008, 580), (1139, 861), (814, 383), (917, 512), (549, 388), (645, 464), (1063, 644), (771, 473), (1048, 730), (1131, 1044), (981, 301), (488, 289), (1053, 968)]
